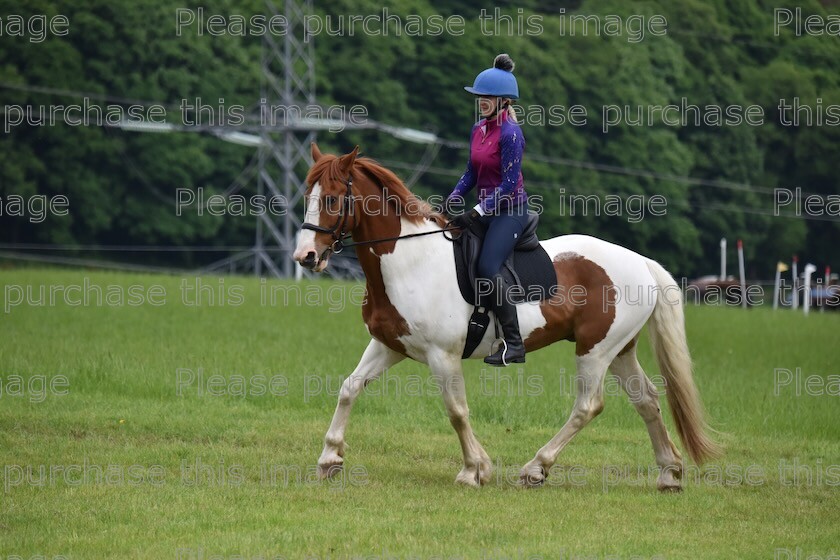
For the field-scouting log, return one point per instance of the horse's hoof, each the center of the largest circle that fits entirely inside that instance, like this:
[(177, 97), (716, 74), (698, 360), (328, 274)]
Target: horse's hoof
[(670, 479), (532, 478), (477, 475), (468, 479), (329, 470)]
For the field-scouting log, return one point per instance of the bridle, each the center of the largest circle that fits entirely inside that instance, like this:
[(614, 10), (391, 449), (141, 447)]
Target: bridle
[(337, 245), (347, 208)]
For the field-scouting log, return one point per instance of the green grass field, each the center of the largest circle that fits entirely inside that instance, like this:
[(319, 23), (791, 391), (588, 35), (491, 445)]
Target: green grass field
[(132, 458)]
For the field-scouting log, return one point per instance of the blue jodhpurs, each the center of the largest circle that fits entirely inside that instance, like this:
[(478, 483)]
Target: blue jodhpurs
[(503, 230)]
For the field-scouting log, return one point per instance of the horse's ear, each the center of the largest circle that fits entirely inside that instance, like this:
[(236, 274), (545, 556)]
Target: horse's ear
[(346, 161), (316, 153)]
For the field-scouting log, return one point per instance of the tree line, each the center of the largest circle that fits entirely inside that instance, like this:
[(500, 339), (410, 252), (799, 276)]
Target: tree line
[(586, 103)]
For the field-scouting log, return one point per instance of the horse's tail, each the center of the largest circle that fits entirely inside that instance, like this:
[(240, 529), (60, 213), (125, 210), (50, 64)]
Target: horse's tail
[(667, 333)]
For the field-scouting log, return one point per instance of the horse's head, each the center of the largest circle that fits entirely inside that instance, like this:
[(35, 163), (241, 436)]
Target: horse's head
[(329, 208)]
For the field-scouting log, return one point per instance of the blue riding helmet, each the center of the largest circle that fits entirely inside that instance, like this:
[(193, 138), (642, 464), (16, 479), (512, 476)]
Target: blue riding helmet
[(498, 81)]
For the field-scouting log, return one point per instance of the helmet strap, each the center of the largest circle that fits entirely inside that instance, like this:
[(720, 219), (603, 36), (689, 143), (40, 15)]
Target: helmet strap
[(500, 106)]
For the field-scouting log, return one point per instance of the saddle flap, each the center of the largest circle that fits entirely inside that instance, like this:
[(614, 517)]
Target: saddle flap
[(528, 240)]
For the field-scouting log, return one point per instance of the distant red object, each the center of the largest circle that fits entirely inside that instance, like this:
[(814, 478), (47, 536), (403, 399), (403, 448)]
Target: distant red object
[(714, 291)]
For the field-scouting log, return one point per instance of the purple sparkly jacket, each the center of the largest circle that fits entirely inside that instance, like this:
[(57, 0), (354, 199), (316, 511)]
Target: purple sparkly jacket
[(495, 164)]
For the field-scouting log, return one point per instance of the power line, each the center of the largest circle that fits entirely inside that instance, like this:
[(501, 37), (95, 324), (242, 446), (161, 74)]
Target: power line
[(431, 138), (600, 191), (694, 181), (73, 93), (430, 155)]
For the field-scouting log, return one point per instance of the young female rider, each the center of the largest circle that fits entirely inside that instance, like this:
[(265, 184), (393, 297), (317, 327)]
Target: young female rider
[(494, 166)]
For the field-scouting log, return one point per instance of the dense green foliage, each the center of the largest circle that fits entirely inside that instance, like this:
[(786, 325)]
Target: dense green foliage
[(121, 184)]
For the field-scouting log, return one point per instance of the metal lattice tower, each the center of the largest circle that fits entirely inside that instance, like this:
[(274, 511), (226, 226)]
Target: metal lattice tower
[(288, 80), (287, 88)]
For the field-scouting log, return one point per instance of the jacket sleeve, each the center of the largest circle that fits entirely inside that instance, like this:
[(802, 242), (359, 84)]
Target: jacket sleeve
[(468, 179), (511, 146)]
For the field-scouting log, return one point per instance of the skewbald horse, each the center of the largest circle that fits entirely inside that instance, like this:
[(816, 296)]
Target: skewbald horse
[(413, 308)]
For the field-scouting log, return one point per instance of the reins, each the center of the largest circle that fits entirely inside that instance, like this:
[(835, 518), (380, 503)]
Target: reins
[(342, 245), (338, 244)]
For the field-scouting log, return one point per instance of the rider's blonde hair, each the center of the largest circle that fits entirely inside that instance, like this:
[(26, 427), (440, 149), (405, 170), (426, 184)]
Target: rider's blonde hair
[(511, 110)]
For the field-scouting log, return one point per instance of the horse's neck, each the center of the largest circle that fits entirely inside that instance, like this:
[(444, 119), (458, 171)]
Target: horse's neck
[(407, 260)]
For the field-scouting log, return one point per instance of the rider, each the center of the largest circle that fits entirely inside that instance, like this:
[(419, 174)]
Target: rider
[(494, 166)]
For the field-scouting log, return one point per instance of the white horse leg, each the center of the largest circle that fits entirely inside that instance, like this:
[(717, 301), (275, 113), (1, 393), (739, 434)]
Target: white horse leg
[(447, 372), (645, 398), (376, 359), (591, 370)]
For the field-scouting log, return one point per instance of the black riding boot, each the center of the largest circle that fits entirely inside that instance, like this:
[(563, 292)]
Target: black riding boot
[(512, 350)]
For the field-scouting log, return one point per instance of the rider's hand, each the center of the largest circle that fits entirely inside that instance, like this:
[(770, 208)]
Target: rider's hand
[(464, 220)]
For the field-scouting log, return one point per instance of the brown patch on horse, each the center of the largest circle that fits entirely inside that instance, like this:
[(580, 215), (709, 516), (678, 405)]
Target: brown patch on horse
[(583, 309), (398, 196), (383, 320)]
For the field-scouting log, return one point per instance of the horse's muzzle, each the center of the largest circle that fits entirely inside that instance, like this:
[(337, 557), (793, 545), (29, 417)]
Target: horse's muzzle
[(309, 261), (313, 262)]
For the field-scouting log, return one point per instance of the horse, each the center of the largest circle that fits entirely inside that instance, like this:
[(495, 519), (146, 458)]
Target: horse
[(413, 309)]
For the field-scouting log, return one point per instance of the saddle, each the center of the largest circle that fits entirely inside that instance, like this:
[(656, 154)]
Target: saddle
[(528, 268), (528, 273)]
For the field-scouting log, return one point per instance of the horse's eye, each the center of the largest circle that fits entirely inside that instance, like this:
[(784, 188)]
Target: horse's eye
[(330, 200)]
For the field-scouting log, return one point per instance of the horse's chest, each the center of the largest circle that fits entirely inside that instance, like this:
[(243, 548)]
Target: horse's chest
[(383, 320)]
